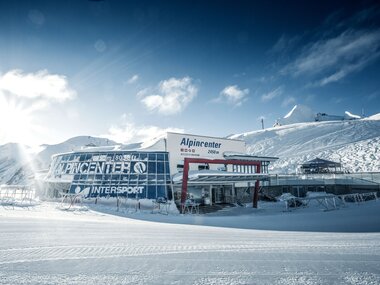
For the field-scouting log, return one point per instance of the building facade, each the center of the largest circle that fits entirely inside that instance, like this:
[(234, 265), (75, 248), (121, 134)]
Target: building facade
[(156, 171)]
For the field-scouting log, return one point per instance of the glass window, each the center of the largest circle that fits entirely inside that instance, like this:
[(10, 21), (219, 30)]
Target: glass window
[(109, 157), (152, 156), (83, 177), (152, 194), (160, 179), (133, 178), (115, 177), (169, 193), (142, 178), (143, 156), (152, 167), (65, 157), (152, 178), (160, 167), (167, 169), (88, 156), (143, 194), (107, 177), (160, 157), (124, 177), (161, 191)]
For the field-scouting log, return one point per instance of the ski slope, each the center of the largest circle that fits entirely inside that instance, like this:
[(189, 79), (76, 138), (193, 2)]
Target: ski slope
[(355, 143), (43, 245)]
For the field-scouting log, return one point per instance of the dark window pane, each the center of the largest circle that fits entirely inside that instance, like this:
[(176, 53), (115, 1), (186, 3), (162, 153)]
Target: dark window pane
[(143, 156), (161, 191), (151, 167), (152, 192), (160, 168)]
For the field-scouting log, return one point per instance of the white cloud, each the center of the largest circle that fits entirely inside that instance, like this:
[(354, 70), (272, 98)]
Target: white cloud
[(338, 56), (172, 96), (133, 79), (39, 85), (288, 101), (272, 94), (284, 44), (26, 104), (128, 132), (234, 94)]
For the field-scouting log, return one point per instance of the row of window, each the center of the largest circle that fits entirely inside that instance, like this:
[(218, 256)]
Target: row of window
[(116, 156), (121, 177)]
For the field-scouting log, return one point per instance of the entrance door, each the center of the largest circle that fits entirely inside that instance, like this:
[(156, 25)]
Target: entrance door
[(218, 194)]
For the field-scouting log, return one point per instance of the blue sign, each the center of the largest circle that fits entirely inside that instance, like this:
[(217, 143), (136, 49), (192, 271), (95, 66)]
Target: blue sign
[(115, 174)]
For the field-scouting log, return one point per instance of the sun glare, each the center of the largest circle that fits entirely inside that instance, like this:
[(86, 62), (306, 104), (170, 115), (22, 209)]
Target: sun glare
[(15, 122)]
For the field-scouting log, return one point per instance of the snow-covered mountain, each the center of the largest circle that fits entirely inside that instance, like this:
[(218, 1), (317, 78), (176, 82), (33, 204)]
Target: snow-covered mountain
[(15, 164), (75, 143), (354, 143), (18, 166)]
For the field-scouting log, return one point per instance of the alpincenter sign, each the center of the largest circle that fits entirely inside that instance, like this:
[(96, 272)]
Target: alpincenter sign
[(183, 145), (101, 167)]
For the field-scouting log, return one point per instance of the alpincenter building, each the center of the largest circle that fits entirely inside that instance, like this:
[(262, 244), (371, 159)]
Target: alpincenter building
[(176, 167)]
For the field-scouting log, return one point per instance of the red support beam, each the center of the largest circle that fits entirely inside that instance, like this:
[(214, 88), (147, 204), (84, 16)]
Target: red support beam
[(186, 167), (257, 185)]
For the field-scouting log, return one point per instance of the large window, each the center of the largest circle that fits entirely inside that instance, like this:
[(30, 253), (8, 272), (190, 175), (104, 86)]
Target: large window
[(118, 173)]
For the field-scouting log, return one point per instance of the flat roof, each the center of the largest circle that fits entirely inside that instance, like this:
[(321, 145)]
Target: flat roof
[(216, 176), (243, 156)]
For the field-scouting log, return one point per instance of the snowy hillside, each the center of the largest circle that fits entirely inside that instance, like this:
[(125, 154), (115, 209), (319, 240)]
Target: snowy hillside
[(75, 143), (17, 165), (303, 114), (355, 143), (14, 164), (298, 114)]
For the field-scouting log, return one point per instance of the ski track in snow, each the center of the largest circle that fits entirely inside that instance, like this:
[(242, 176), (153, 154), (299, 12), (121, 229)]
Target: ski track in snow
[(47, 246)]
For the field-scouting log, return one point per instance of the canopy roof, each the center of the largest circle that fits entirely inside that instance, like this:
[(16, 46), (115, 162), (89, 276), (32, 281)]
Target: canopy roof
[(215, 177), (244, 156)]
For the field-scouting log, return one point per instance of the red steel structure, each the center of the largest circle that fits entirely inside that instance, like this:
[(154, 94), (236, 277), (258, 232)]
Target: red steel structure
[(188, 161)]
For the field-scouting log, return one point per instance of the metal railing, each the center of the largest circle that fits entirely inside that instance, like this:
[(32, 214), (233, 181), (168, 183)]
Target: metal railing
[(362, 178), (16, 194)]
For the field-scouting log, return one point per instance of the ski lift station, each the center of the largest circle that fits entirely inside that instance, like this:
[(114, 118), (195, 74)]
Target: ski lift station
[(177, 167)]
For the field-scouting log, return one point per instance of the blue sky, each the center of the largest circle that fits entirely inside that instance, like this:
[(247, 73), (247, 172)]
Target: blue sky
[(130, 70)]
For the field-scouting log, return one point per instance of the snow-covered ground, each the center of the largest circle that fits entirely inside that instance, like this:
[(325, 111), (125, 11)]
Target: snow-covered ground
[(44, 245)]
